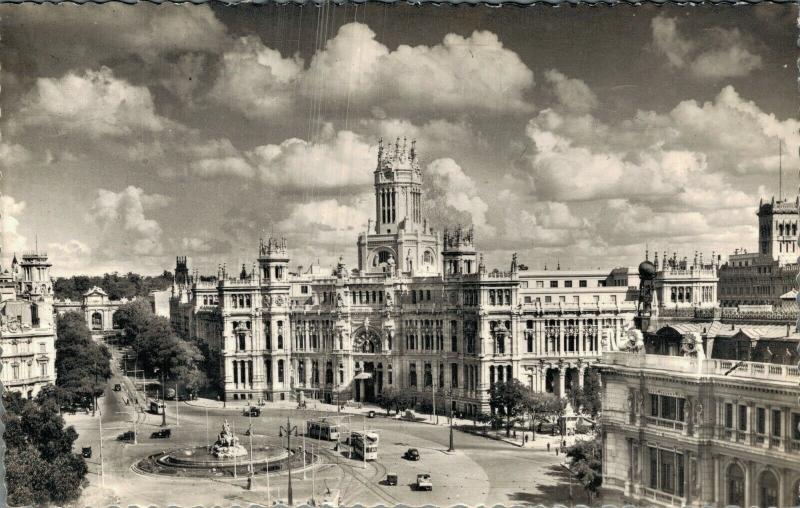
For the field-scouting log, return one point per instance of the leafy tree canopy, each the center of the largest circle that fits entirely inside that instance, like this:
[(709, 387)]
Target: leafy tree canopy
[(586, 464), (117, 286), (40, 465)]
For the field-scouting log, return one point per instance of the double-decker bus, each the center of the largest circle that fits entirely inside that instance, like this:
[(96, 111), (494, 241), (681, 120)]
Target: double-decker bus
[(322, 429), (365, 445)]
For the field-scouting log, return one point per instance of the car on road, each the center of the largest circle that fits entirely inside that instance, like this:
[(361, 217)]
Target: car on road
[(117, 387), (391, 478), (86, 451), (252, 411), (126, 436), (411, 454), (161, 434), (371, 414), (424, 482)]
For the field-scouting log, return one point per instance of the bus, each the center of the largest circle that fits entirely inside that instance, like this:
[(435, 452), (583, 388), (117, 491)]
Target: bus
[(322, 429), (358, 440), (156, 407)]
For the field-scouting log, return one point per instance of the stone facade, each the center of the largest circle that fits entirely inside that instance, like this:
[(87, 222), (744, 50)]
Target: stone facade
[(420, 311), (27, 330), (97, 308)]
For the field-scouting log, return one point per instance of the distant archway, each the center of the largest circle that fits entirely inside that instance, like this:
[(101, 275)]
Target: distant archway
[(97, 321)]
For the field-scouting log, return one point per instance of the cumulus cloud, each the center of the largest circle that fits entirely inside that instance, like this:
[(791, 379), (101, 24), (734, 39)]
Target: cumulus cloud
[(719, 53), (573, 94), (10, 210), (450, 187), (327, 223), (92, 103), (68, 257), (354, 70), (125, 229), (684, 157), (341, 159)]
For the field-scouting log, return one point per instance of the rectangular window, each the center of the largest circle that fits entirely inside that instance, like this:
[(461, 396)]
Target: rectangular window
[(576, 299), (413, 296), (553, 283), (728, 416), (795, 426), (582, 283), (654, 411), (427, 294), (742, 418), (562, 299), (761, 420), (43, 369), (304, 290), (776, 423), (454, 375), (548, 299), (567, 283), (653, 467), (527, 299), (539, 284)]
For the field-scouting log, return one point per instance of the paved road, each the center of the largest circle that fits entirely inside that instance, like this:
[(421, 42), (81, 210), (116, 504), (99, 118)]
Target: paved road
[(480, 471)]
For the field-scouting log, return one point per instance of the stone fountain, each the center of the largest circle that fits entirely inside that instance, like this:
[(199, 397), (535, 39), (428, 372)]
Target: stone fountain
[(227, 445)]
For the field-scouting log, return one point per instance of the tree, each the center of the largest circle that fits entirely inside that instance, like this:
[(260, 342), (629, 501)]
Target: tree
[(541, 406), (82, 365), (386, 399), (506, 399), (40, 466), (586, 464), (590, 397), (132, 317)]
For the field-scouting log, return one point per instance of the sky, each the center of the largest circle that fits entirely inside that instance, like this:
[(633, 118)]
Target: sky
[(582, 136)]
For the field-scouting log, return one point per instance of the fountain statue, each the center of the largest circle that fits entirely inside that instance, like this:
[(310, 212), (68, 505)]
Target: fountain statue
[(227, 445)]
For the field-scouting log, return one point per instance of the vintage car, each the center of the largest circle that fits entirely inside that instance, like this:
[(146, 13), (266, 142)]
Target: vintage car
[(161, 434), (252, 411), (86, 451), (391, 478), (424, 482), (411, 454), (127, 436)]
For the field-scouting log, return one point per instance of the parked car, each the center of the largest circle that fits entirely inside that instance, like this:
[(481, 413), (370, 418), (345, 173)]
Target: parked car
[(86, 451), (117, 387), (411, 454), (391, 478), (126, 436), (252, 411), (161, 434), (371, 414), (424, 482)]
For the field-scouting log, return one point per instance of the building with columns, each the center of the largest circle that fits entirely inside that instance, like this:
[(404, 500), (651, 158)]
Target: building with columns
[(419, 311), (27, 330), (705, 413), (97, 308)]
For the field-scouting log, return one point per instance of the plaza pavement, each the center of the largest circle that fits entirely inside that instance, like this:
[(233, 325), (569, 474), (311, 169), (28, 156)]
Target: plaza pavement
[(481, 471)]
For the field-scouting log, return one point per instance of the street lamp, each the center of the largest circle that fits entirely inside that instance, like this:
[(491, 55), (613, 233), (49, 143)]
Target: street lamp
[(451, 448), (163, 400), (289, 429)]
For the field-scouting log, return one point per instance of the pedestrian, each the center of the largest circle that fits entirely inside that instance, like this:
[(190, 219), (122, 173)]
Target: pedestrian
[(548, 447), (217, 398), (556, 452)]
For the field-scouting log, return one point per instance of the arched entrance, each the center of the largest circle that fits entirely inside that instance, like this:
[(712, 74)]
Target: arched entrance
[(734, 485), (97, 320), (551, 381), (767, 489)]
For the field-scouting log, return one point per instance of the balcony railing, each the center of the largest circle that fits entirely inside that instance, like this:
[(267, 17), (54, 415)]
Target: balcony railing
[(667, 424), (691, 365)]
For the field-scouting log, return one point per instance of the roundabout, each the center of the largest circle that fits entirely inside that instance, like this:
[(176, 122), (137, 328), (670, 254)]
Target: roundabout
[(228, 458)]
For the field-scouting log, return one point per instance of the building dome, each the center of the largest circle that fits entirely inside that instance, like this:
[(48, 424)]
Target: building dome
[(647, 270)]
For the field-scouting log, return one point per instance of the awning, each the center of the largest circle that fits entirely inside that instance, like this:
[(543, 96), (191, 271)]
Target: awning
[(363, 375)]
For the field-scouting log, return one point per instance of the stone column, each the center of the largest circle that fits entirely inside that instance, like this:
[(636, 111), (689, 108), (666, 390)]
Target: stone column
[(748, 480), (579, 347), (581, 371), (561, 380)]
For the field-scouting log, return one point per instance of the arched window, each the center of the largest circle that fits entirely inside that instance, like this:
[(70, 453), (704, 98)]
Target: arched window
[(734, 484), (767, 490), (280, 371), (280, 341), (427, 258)]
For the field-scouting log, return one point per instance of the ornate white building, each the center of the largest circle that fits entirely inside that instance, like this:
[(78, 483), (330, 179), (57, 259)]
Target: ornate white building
[(420, 310), (27, 331)]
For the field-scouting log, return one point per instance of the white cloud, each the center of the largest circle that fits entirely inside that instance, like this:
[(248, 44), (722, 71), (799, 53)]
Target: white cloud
[(452, 187), (341, 159), (327, 223), (573, 94), (720, 53), (355, 71), (69, 257), (94, 103), (10, 210), (125, 230), (227, 166), (256, 80)]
